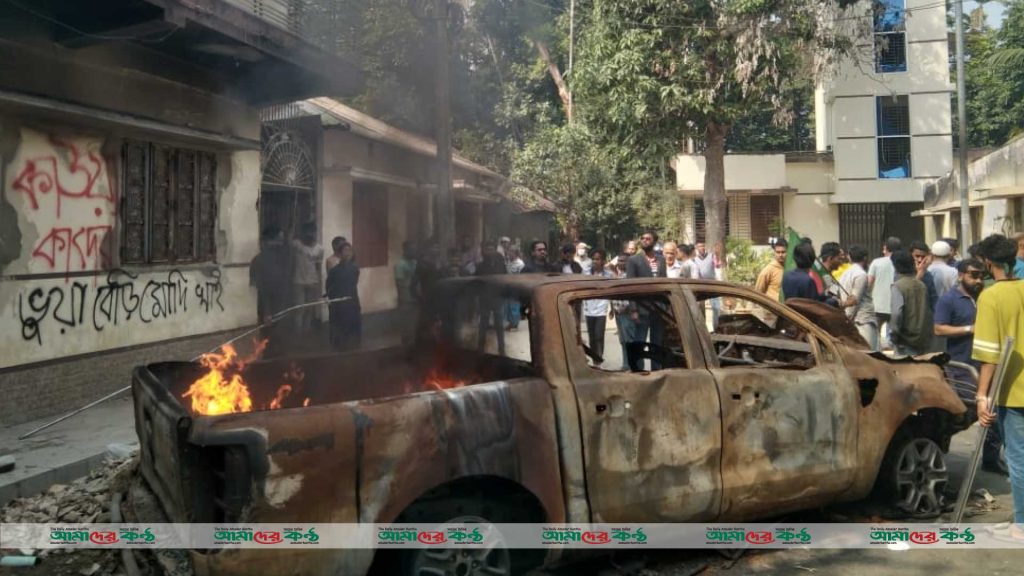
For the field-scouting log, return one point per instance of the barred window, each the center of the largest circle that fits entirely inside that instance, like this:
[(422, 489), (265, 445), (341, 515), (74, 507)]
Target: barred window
[(890, 36), (893, 129), (168, 205)]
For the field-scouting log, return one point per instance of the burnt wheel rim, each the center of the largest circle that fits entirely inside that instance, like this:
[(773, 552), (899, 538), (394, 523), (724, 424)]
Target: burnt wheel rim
[(490, 558), (921, 478)]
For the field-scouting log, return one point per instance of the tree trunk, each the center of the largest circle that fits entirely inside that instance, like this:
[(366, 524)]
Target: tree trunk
[(715, 201), (556, 75)]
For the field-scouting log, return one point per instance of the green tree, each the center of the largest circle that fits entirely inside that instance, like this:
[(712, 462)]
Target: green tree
[(994, 80), (653, 72), (567, 164)]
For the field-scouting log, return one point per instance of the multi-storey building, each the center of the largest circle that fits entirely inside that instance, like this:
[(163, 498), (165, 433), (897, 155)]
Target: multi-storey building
[(883, 132)]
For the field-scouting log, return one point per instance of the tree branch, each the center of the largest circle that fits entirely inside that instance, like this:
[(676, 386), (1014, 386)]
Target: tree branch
[(556, 75)]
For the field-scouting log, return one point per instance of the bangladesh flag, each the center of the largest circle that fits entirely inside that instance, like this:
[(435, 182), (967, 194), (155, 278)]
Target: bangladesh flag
[(817, 270)]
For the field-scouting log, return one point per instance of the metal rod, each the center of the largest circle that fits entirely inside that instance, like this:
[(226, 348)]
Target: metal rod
[(116, 393), (972, 465)]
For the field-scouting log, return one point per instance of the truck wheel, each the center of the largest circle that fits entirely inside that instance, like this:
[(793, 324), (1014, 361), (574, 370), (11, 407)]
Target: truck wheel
[(915, 476), (491, 559)]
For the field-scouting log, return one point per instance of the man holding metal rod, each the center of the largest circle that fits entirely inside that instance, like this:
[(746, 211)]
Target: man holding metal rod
[(1001, 314)]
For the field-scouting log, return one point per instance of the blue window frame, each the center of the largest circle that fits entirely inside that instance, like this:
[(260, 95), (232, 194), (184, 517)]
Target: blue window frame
[(890, 35), (893, 136)]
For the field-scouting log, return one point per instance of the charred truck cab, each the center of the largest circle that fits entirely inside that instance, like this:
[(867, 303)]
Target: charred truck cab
[(716, 404)]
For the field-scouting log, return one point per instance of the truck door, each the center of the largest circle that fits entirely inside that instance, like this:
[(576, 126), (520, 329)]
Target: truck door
[(789, 407), (650, 419)]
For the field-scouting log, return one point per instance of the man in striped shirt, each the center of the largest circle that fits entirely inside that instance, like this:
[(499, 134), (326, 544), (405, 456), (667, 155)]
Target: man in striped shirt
[(1001, 314)]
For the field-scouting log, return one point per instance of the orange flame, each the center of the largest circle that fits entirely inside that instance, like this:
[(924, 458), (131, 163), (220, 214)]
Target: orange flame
[(437, 380), (222, 390)]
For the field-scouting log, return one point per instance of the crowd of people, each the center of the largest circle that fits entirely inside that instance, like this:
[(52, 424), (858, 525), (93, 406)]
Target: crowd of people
[(911, 299)]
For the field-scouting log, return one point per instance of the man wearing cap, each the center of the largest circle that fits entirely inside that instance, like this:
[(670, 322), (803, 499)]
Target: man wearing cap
[(942, 268), (582, 258)]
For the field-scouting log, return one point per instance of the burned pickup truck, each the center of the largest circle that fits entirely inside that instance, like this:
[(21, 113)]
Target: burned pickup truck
[(702, 401)]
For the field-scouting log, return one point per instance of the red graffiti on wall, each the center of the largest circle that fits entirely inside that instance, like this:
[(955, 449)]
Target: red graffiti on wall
[(76, 247), (42, 175)]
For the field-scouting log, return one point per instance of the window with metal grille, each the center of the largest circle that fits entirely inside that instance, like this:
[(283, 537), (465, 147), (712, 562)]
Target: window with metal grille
[(765, 215), (370, 224), (169, 204), (890, 37), (700, 223), (893, 129)]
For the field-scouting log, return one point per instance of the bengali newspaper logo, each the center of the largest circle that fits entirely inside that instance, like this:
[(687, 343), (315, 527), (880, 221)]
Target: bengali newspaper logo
[(924, 537), (464, 535), (629, 535), (887, 535), (719, 536), (68, 535), (296, 536), (561, 535), (596, 537), (395, 535), (759, 537), (136, 535), (228, 536), (267, 537), (956, 536), (792, 536)]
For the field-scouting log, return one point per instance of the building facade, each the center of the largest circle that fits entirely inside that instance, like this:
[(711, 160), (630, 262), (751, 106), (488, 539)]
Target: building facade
[(130, 154), (995, 182), (374, 184), (883, 133)]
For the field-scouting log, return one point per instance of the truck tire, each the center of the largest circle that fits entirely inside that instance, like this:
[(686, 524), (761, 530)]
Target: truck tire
[(913, 477), (494, 560)]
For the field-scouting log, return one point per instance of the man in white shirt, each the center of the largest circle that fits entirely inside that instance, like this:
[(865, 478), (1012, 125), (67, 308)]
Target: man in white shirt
[(881, 275), (673, 267), (307, 280), (857, 302), (705, 262), (942, 269)]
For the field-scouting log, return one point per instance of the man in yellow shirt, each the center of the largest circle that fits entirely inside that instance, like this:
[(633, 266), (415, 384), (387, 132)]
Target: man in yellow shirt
[(1001, 314), (769, 281)]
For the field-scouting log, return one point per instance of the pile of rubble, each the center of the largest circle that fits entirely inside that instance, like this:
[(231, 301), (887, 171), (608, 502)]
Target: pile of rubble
[(85, 500)]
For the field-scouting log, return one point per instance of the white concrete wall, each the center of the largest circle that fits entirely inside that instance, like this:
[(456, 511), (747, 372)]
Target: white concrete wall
[(742, 172), (811, 215), (810, 211), (846, 107), (811, 177), (64, 294)]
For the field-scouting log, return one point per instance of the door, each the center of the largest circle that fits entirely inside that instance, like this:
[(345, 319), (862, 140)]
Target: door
[(789, 408), (651, 434)]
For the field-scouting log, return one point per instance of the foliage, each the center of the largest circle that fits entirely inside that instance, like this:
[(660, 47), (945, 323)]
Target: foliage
[(744, 261), (652, 72), (994, 80), (566, 164)]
